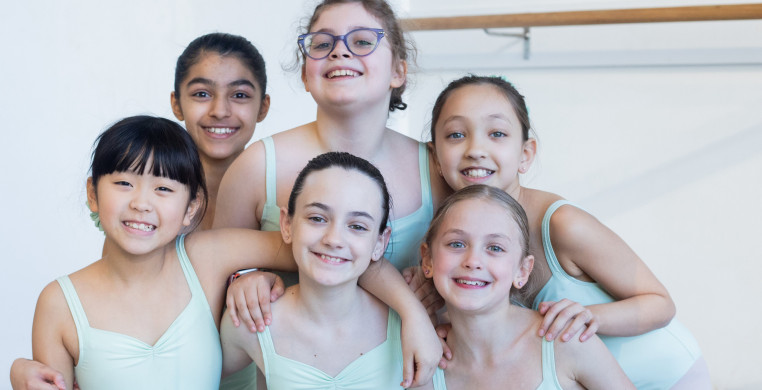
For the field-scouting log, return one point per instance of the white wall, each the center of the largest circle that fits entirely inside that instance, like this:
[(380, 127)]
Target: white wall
[(663, 148)]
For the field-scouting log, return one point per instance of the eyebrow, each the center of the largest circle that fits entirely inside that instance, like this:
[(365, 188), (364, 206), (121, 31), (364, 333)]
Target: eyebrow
[(324, 207), (205, 81), (490, 236)]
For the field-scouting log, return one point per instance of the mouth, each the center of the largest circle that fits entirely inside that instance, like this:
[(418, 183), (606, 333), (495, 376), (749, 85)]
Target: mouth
[(331, 259), (470, 283), (140, 226), (348, 73), (477, 173), (221, 130)]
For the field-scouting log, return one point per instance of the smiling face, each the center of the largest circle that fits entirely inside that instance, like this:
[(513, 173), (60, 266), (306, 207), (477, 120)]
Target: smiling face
[(334, 229), (141, 212), (343, 79), (479, 139), (221, 102), (476, 255)]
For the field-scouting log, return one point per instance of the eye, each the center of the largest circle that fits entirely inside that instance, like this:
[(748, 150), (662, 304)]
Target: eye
[(495, 248), (362, 42), (317, 219), (455, 135), (164, 189), (201, 94), (123, 183), (456, 245), (241, 95), (498, 134), (358, 227)]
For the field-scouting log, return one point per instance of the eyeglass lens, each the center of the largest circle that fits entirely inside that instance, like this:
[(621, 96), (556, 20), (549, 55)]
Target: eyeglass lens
[(359, 42)]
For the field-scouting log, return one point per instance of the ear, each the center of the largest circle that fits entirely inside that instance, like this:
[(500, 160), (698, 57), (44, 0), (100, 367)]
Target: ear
[(193, 208), (92, 199), (427, 265), (304, 78), (285, 225), (175, 102), (528, 151), (381, 243), (399, 73), (525, 269), (264, 108)]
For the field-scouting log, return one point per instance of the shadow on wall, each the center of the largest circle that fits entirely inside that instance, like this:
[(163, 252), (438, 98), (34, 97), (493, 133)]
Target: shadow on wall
[(668, 177)]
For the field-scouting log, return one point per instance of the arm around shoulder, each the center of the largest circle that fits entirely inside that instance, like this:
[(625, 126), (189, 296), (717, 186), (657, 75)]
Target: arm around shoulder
[(584, 246), (235, 356)]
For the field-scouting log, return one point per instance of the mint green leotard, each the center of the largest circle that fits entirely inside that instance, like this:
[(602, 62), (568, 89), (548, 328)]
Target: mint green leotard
[(549, 377), (379, 368), (654, 360), (402, 251), (187, 356)]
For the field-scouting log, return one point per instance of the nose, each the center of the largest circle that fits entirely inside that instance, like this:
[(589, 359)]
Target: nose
[(476, 149), (141, 201), (340, 49), (220, 107), (332, 236), (473, 260)]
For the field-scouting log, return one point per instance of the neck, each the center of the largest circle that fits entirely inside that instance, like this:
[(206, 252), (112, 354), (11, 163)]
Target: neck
[(476, 339), (360, 132), (328, 304), (128, 268)]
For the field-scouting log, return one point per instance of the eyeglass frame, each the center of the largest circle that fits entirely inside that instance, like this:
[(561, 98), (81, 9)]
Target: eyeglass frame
[(380, 34)]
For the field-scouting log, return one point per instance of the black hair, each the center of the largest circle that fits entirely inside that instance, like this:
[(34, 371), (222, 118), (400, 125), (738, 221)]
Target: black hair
[(346, 161), (505, 87), (130, 143), (224, 45)]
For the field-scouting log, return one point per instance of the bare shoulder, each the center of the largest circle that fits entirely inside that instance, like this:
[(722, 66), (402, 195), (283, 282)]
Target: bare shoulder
[(242, 190)]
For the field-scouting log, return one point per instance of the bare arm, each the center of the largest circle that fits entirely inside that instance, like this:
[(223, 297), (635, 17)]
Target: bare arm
[(591, 365), (241, 190), (585, 246), (235, 356), (32, 375), (421, 348), (51, 320)]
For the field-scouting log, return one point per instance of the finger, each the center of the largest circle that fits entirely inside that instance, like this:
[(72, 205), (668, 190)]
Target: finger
[(563, 318), (592, 328), (243, 312), (443, 330), (543, 307), (408, 273), (576, 325), (253, 303), (443, 363), (408, 371), (263, 308), (446, 351), (279, 287), (60, 383), (232, 312), (423, 374), (555, 314), (425, 289)]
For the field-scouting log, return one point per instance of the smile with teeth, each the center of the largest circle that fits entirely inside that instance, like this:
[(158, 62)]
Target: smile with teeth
[(331, 259), (140, 226), (476, 283), (477, 172), (220, 130), (342, 72)]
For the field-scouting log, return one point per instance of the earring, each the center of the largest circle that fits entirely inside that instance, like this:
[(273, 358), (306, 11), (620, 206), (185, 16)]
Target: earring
[(520, 283), (426, 271)]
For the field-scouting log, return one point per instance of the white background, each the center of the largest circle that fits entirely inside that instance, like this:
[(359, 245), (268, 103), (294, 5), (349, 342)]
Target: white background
[(656, 129)]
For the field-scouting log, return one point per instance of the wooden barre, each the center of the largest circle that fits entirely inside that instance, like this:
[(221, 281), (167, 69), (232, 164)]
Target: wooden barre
[(573, 18)]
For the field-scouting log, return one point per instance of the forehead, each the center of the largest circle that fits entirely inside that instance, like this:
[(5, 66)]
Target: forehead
[(340, 18), (478, 101), (342, 189), (220, 69), (480, 217)]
